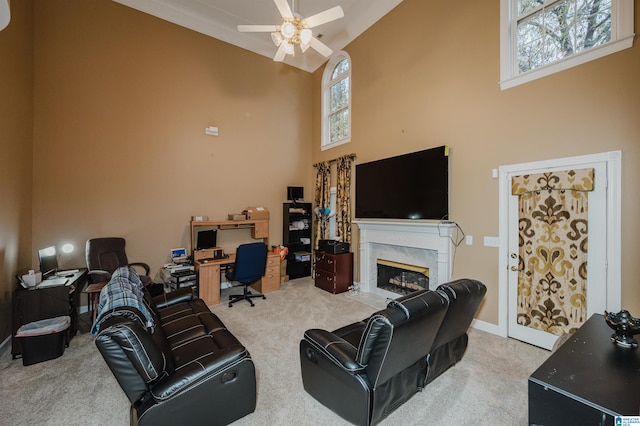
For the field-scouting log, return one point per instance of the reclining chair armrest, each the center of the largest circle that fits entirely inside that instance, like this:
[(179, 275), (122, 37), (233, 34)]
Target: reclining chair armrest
[(338, 350), (180, 295), (203, 368), (142, 265)]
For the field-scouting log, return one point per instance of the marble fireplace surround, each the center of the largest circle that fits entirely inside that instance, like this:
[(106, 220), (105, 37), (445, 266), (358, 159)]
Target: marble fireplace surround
[(420, 243)]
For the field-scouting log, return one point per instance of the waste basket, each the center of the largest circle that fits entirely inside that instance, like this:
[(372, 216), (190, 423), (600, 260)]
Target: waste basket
[(44, 339)]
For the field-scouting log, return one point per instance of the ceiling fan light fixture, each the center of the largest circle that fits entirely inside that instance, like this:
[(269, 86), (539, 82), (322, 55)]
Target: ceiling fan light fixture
[(288, 47), (295, 30), (276, 37), (305, 36), (288, 30)]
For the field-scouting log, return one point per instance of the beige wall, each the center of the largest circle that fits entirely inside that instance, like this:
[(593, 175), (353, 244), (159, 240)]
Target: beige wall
[(427, 74), (122, 100), (16, 140)]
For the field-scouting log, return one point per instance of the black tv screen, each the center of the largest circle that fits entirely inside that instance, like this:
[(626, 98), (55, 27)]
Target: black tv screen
[(409, 186)]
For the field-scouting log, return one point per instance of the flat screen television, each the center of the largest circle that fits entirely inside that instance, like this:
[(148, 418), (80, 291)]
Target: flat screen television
[(408, 186)]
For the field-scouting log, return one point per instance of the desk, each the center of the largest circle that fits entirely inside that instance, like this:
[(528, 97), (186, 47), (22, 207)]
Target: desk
[(37, 304), (209, 277), (259, 228), (587, 381)]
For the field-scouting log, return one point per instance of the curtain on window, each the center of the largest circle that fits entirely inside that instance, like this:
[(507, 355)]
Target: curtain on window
[(553, 223), (322, 199), (343, 199)]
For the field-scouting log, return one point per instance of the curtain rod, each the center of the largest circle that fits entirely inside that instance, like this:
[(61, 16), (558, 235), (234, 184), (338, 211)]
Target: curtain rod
[(351, 156)]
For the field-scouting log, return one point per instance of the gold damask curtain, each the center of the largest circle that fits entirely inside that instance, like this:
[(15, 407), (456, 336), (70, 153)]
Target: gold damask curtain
[(553, 228), (321, 199), (343, 199)]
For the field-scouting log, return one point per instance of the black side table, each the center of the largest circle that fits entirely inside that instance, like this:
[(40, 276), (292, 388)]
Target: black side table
[(588, 381)]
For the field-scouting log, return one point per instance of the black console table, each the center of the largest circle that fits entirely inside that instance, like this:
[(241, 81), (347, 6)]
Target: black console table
[(38, 304), (587, 381)]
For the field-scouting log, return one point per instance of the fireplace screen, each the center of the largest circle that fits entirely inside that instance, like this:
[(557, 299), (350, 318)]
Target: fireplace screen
[(401, 278)]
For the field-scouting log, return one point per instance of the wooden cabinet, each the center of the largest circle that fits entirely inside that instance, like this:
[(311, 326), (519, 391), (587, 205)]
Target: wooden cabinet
[(296, 236), (333, 272), (271, 279)]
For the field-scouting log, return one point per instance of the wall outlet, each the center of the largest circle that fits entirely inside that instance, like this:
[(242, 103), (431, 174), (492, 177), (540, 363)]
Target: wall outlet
[(492, 242), (469, 240)]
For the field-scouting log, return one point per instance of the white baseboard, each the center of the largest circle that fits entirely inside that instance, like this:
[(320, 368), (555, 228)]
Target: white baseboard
[(486, 326)]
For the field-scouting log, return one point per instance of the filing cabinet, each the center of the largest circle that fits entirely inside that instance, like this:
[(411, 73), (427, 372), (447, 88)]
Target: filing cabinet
[(271, 279), (333, 272)]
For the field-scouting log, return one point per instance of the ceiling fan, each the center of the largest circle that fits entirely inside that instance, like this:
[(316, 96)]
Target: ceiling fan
[(295, 30)]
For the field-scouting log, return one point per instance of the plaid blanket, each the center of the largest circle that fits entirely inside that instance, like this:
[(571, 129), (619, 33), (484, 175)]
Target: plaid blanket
[(123, 290)]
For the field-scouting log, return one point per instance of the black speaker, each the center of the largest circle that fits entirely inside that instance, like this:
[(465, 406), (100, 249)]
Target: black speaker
[(333, 247)]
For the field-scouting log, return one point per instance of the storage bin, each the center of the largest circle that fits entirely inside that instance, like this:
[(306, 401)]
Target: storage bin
[(44, 339)]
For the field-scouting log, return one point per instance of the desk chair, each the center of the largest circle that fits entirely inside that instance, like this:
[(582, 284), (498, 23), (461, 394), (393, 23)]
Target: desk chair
[(251, 260), (105, 255)]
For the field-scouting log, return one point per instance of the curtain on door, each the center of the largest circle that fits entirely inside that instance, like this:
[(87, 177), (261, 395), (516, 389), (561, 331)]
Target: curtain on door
[(553, 228), (343, 199), (321, 199)]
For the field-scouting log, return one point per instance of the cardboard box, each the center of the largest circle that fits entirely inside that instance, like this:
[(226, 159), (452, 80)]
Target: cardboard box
[(237, 216), (256, 213)]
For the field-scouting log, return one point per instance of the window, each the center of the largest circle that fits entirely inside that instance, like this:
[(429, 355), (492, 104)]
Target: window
[(336, 101), (541, 37)]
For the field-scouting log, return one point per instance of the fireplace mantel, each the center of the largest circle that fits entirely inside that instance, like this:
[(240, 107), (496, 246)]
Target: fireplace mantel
[(422, 235)]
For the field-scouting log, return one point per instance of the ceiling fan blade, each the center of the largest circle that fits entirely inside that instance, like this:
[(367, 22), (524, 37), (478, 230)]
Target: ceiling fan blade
[(257, 28), (283, 7), (280, 54), (322, 48), (324, 17)]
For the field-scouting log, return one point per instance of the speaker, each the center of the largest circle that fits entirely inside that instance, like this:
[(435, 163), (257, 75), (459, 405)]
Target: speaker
[(333, 247)]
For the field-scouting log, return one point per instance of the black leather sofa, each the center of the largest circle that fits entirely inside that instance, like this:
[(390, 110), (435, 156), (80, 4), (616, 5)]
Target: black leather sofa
[(365, 370), (174, 359)]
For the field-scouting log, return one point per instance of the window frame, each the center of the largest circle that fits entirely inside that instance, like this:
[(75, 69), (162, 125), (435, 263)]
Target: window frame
[(327, 84), (622, 35)]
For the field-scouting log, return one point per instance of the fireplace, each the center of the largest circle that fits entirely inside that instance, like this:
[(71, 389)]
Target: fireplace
[(401, 278), (427, 245)]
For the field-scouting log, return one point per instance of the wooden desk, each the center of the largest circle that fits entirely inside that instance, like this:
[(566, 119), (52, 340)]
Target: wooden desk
[(209, 277), (259, 228)]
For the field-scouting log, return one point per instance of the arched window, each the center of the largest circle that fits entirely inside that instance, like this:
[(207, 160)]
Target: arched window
[(336, 101)]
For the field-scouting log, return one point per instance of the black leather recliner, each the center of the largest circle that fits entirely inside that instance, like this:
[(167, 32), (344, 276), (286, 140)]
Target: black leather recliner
[(365, 370), (182, 367)]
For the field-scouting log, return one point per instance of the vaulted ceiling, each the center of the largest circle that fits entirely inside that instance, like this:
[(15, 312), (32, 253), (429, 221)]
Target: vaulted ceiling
[(220, 18)]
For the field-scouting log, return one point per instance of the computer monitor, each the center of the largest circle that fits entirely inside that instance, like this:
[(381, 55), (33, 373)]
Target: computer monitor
[(295, 193), (48, 261), (206, 239)]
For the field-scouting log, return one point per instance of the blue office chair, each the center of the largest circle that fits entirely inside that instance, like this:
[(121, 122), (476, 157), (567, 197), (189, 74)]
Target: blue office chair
[(251, 260)]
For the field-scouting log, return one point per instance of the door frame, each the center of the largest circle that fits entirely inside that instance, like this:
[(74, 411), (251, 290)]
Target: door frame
[(613, 161)]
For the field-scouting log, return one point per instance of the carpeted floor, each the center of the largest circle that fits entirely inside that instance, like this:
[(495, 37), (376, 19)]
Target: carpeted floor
[(488, 387)]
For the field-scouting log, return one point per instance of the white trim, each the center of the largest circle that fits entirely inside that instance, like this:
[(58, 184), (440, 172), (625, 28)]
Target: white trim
[(614, 226), (486, 327), (622, 37), (326, 84)]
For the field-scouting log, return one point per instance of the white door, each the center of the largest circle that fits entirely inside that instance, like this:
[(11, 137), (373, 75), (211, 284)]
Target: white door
[(598, 293)]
